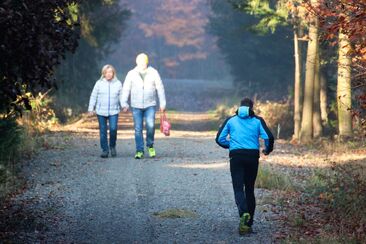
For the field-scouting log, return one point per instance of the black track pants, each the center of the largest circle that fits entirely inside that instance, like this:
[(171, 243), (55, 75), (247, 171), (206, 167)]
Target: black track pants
[(244, 171)]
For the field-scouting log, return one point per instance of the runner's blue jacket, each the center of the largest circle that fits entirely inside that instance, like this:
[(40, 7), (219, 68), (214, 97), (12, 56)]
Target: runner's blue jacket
[(244, 130)]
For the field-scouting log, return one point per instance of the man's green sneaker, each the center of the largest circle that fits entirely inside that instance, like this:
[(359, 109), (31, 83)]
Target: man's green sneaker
[(139, 155), (152, 152), (244, 228)]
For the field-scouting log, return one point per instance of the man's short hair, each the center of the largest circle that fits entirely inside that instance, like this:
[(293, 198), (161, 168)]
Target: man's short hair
[(247, 102), (143, 58)]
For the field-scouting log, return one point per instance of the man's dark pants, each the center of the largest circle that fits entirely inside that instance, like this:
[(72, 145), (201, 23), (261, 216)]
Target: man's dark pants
[(244, 171)]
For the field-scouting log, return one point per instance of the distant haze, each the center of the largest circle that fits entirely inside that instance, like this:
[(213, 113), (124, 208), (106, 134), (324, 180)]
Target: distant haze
[(173, 34)]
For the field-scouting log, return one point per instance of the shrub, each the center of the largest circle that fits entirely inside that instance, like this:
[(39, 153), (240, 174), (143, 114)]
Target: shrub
[(342, 192), (9, 146), (42, 116), (16, 142), (278, 116), (222, 112), (10, 139)]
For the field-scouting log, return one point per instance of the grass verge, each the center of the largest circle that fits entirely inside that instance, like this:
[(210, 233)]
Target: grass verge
[(16, 143), (331, 209), (271, 179)]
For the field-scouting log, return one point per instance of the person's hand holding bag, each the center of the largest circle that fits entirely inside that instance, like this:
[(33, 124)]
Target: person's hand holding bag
[(164, 124)]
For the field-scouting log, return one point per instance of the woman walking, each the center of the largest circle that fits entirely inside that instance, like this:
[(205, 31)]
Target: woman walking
[(105, 102)]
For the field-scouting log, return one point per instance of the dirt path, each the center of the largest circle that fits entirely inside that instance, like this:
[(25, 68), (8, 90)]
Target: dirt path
[(75, 196)]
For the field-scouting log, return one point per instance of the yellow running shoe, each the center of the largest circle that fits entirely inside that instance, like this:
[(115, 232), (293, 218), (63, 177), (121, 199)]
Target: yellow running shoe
[(139, 155), (152, 152), (244, 228)]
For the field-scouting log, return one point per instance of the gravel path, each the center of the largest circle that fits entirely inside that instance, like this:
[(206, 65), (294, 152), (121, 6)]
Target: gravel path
[(81, 198), (74, 196)]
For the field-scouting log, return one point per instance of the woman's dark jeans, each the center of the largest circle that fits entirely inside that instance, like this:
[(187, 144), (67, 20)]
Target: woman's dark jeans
[(113, 125)]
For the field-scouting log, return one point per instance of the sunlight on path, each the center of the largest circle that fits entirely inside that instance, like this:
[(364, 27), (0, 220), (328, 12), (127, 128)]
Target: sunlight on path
[(212, 165)]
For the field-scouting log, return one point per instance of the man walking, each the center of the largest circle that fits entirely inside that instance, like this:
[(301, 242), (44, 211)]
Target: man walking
[(142, 84), (244, 130)]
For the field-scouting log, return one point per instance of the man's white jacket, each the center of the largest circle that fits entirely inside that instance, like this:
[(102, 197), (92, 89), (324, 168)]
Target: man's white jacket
[(143, 92)]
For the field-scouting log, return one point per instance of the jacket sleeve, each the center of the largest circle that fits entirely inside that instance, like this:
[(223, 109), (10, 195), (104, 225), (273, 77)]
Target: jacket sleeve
[(93, 97), (266, 135), (126, 91), (221, 137), (120, 94), (161, 91)]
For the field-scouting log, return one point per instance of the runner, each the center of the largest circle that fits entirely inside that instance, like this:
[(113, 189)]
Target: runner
[(244, 130)]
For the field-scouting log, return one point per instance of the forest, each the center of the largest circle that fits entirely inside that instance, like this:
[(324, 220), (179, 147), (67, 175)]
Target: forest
[(302, 62)]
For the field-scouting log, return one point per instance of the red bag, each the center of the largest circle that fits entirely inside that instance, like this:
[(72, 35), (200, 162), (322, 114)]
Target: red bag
[(164, 124)]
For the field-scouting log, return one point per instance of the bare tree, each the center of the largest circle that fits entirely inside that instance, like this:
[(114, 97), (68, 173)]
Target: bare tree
[(323, 98), (306, 134), (344, 87), (317, 122)]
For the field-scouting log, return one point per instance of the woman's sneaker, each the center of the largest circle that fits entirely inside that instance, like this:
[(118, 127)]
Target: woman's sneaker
[(113, 152), (152, 152), (244, 227), (139, 155), (104, 154)]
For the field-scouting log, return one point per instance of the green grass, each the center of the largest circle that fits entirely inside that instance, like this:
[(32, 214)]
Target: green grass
[(271, 179), (317, 182), (16, 144), (297, 221), (175, 213)]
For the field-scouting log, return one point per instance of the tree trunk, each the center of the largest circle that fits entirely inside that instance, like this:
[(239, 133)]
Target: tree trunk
[(317, 122), (302, 67), (323, 98), (306, 134), (344, 87), (297, 87)]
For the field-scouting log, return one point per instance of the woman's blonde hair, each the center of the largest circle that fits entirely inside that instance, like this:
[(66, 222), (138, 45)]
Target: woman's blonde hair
[(104, 70)]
